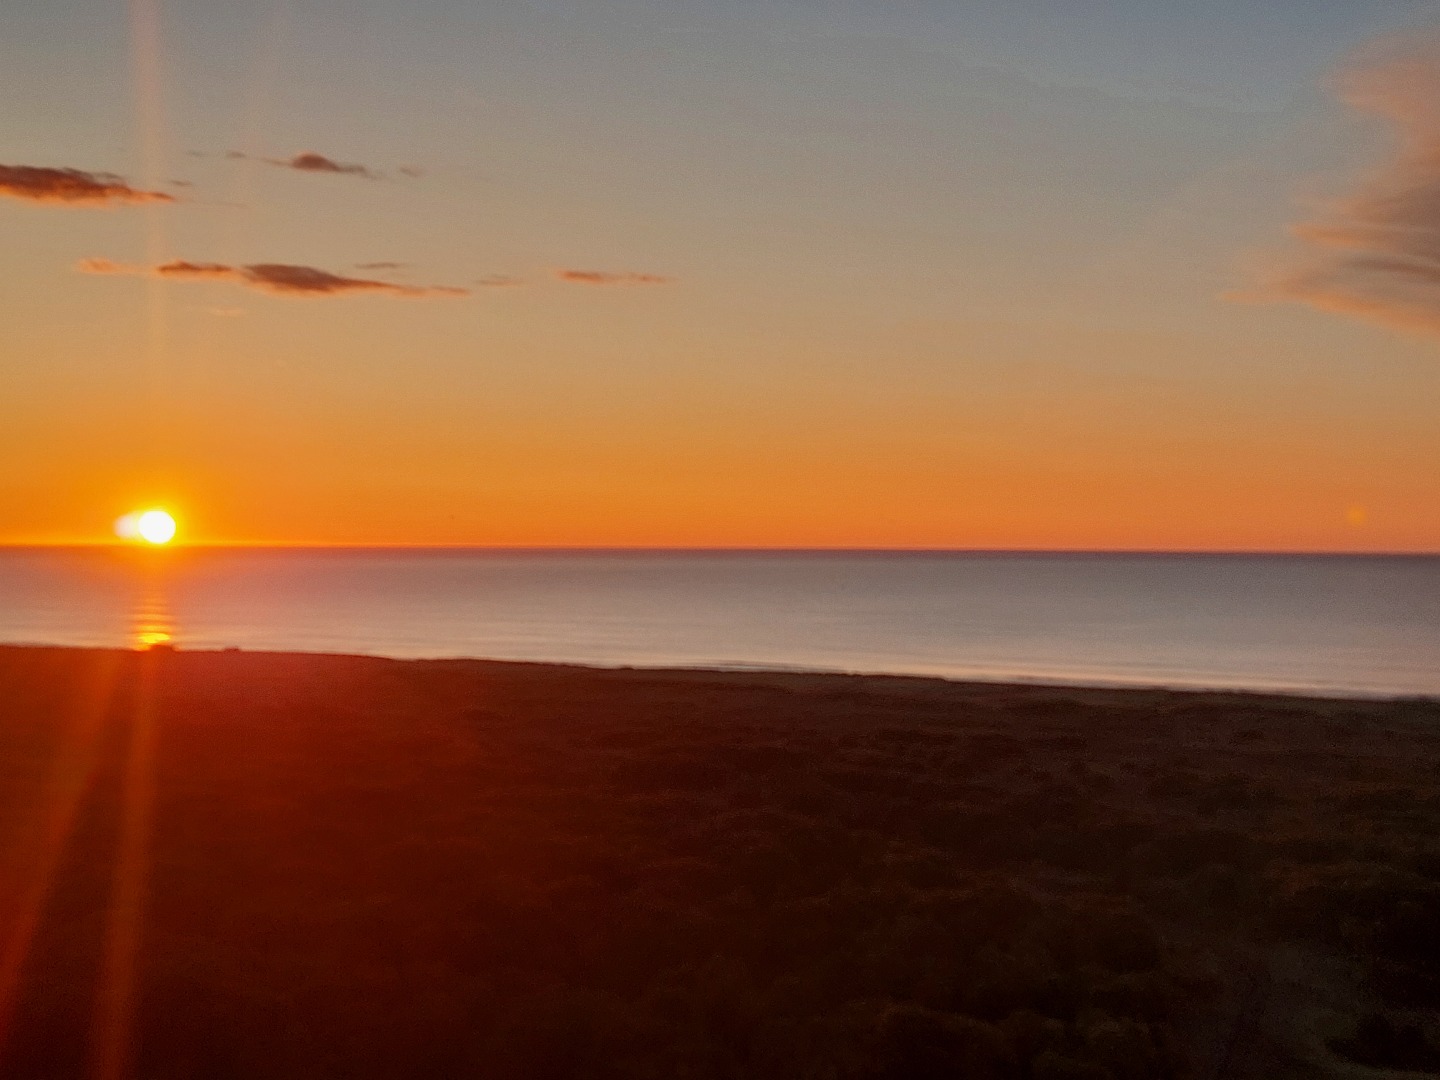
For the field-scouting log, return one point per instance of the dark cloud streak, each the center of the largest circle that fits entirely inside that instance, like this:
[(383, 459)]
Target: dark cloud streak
[(311, 162), (72, 187), (281, 279), (319, 163)]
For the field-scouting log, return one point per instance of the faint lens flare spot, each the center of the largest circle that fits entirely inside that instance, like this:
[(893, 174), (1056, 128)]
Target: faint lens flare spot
[(149, 526)]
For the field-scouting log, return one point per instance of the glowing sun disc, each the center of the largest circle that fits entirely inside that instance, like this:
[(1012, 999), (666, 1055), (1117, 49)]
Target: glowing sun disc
[(152, 526), (156, 526)]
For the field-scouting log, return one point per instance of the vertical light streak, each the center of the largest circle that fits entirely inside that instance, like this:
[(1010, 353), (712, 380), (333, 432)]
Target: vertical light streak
[(113, 1036), (150, 122), (76, 763)]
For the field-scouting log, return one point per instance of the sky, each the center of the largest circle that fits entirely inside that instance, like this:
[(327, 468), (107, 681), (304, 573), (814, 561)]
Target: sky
[(1075, 274)]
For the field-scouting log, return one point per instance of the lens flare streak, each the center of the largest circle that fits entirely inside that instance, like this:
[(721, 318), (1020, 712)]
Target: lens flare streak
[(113, 1037), (76, 763)]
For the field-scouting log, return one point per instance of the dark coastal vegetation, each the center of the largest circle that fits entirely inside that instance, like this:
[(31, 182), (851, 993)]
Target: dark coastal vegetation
[(367, 868)]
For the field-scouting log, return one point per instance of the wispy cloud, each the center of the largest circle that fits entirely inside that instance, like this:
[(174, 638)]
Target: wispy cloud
[(610, 277), (311, 162), (319, 163), (382, 266), (498, 281), (280, 279), (72, 187), (1375, 254)]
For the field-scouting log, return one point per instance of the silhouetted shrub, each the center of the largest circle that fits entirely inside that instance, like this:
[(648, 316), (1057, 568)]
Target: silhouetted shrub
[(1050, 1065), (912, 1043), (1381, 1043)]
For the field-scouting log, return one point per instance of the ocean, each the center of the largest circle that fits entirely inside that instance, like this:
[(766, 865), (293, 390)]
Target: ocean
[(1344, 625)]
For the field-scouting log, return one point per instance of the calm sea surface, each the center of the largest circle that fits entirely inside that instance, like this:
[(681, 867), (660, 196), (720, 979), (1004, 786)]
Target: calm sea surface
[(1357, 625)]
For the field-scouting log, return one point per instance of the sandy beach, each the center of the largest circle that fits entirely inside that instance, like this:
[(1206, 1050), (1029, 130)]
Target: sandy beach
[(247, 865)]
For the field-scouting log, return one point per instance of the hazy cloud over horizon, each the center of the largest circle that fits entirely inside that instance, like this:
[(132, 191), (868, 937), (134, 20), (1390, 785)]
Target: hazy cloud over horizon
[(72, 187), (1375, 254)]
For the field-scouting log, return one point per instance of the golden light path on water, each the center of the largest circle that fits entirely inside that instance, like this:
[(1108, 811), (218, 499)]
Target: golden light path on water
[(152, 624)]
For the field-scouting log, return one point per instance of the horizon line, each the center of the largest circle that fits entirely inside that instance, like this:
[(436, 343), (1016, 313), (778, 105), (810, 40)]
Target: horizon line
[(738, 549)]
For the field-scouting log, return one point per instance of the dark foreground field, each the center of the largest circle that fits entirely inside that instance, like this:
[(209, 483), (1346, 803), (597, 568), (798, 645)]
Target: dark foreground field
[(248, 866)]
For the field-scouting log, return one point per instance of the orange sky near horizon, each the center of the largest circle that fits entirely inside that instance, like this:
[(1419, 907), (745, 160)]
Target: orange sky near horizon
[(910, 475), (1018, 451), (760, 280)]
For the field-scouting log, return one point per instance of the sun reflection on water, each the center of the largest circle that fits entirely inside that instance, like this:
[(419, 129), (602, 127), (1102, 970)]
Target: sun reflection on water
[(151, 624)]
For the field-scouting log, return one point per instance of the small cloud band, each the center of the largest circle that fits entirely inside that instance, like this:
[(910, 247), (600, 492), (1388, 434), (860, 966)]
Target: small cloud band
[(610, 277), (72, 187), (311, 162), (281, 279)]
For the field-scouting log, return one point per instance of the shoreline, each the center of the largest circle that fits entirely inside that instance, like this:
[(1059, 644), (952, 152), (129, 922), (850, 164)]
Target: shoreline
[(1285, 691)]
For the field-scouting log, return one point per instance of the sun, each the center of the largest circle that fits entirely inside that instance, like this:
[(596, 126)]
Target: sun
[(156, 527), (152, 526)]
